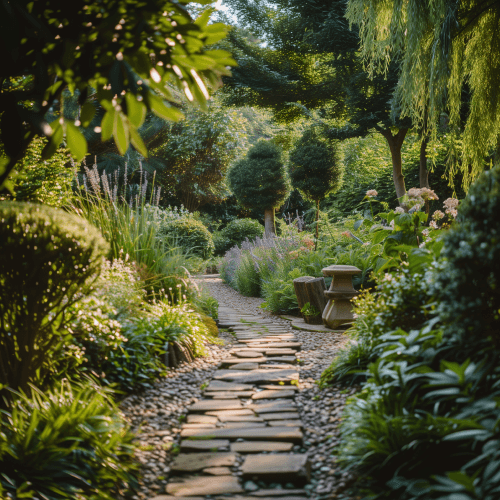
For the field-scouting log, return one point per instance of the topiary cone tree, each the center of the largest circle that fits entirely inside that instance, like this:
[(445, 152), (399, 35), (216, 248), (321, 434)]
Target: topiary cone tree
[(260, 181), (315, 169)]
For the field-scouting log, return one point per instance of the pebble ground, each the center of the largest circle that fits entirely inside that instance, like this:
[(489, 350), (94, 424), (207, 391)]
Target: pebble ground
[(156, 414)]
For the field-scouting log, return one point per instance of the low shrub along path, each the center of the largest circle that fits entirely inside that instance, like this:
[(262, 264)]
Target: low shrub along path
[(251, 423)]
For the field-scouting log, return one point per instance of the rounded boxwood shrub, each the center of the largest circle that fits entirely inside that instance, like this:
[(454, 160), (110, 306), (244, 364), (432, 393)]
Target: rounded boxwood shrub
[(236, 232), (48, 258), (191, 235)]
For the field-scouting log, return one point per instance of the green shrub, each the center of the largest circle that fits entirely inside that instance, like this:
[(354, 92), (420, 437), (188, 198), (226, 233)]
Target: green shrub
[(48, 257), (191, 235), (468, 284), (68, 443), (236, 232), (434, 390)]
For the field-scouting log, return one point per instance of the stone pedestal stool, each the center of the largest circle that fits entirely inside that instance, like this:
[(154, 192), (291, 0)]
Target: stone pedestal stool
[(338, 310)]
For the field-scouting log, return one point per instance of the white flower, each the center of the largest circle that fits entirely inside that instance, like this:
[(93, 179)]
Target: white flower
[(399, 210), (438, 215), (433, 224), (450, 203), (371, 193)]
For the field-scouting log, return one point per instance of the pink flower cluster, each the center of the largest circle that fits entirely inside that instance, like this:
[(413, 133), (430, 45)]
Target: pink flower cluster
[(451, 205), (371, 193)]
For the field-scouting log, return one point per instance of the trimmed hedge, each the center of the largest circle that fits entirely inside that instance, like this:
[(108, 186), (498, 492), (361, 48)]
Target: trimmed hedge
[(191, 235), (48, 258)]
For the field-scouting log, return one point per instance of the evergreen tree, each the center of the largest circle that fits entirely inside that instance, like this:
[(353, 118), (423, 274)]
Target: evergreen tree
[(311, 61), (315, 169), (260, 181)]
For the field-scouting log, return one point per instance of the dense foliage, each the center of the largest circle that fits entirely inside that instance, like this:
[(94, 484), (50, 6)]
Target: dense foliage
[(431, 387), (107, 46), (64, 253)]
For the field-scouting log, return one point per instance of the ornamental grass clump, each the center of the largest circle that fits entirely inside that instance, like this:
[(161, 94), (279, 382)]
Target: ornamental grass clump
[(66, 443), (49, 257)]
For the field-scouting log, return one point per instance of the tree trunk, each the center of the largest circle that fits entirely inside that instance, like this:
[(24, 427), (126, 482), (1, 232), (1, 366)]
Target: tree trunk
[(269, 223), (423, 172), (395, 142)]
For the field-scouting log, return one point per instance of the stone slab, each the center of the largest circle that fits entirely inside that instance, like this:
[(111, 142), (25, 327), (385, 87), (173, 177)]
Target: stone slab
[(273, 394), (257, 376), (281, 416), (277, 467), (218, 471), (245, 366), (191, 462), (218, 385), (215, 404), (277, 387), (238, 418), (218, 413), (236, 360), (260, 446), (285, 423), (266, 350), (296, 346), (207, 444), (283, 359), (274, 366), (228, 394), (240, 425), (197, 426), (248, 354), (201, 419), (290, 434), (211, 485), (273, 407)]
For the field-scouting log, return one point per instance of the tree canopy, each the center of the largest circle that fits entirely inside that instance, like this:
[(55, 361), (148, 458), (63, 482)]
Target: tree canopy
[(126, 50), (444, 48), (311, 61)]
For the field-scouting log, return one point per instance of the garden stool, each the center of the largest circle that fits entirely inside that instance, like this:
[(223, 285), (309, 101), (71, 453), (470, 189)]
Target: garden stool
[(338, 310)]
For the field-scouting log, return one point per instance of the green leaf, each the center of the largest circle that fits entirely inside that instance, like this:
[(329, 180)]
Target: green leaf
[(107, 124), (136, 111), (165, 112), (88, 112), (77, 143), (137, 142), (121, 132)]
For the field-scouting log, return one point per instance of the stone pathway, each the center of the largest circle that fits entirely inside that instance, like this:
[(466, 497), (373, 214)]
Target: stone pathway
[(248, 420), (244, 437), (261, 428)]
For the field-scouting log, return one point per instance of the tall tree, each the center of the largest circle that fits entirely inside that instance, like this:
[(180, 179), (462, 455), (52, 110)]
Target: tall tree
[(260, 181), (335, 82), (446, 48), (127, 52), (315, 169)]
